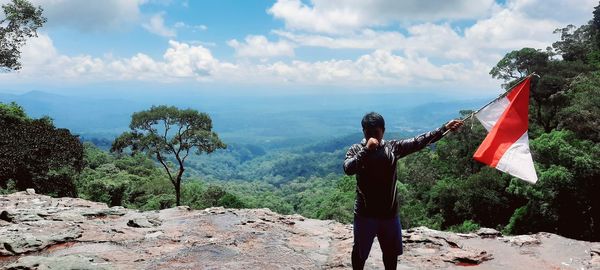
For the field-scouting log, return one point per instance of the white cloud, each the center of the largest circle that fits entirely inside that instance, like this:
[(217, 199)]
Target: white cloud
[(426, 39), (425, 54), (186, 62), (510, 29), (377, 69), (260, 47), (297, 15), (485, 42), (156, 25), (349, 15), (566, 12), (104, 15), (203, 43), (365, 39), (38, 51), (183, 60), (90, 15), (41, 60), (200, 27)]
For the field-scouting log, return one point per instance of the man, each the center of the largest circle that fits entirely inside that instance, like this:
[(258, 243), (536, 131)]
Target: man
[(376, 207)]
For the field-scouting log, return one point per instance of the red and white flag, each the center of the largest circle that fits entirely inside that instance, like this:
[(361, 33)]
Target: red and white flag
[(506, 146)]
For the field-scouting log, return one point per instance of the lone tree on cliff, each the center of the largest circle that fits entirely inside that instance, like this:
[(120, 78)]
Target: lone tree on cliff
[(166, 131)]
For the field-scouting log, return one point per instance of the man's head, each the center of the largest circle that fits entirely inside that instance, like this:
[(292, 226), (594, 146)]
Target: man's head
[(373, 126)]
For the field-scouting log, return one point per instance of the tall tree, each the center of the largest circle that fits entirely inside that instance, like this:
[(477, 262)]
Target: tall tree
[(168, 132), (547, 93), (565, 134), (21, 21), (595, 27), (575, 43), (582, 111)]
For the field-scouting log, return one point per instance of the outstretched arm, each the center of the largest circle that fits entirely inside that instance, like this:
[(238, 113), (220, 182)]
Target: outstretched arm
[(407, 146)]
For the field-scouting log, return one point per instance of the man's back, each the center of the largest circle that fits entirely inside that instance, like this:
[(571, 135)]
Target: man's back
[(375, 171), (376, 182), (373, 161)]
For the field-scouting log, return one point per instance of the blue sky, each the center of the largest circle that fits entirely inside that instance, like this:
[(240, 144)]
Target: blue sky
[(227, 19), (283, 46)]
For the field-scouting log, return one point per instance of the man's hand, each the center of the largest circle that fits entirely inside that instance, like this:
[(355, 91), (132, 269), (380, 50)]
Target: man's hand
[(372, 144), (454, 124)]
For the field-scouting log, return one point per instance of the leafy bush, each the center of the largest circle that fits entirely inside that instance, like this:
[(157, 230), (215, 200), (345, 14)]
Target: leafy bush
[(466, 227)]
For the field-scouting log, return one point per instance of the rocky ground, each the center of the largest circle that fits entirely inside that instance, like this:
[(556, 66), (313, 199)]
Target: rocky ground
[(40, 232)]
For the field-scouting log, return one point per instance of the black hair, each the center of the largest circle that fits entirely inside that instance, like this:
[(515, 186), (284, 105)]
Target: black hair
[(372, 120)]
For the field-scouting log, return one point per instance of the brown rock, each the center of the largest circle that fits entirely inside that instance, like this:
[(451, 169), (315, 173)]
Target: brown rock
[(143, 222), (488, 233), (595, 253), (521, 240), (462, 257), (69, 262), (71, 233)]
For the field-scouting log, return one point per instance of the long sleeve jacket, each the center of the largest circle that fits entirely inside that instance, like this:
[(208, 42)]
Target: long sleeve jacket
[(375, 172)]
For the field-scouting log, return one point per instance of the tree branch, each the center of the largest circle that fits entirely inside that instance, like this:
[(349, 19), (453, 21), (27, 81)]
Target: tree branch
[(160, 159), (166, 132), (187, 152), (175, 152), (179, 140)]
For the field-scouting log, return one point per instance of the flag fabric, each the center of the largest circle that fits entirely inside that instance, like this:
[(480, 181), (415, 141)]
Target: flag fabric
[(506, 147)]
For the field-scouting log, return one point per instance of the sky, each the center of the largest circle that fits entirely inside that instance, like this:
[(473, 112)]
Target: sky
[(283, 46)]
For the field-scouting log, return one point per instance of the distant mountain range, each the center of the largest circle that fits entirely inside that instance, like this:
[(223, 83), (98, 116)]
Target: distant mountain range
[(273, 120), (104, 117)]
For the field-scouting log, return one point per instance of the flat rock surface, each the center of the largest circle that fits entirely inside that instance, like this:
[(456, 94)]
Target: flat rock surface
[(41, 232)]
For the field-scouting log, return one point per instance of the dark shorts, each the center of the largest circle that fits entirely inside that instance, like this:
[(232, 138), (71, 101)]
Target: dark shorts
[(387, 230)]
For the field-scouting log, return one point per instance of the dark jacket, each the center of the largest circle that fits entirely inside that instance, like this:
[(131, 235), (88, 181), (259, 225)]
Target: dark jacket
[(376, 172)]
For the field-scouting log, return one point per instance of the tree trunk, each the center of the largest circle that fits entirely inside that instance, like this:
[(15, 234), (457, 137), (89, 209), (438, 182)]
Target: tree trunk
[(178, 183), (178, 191)]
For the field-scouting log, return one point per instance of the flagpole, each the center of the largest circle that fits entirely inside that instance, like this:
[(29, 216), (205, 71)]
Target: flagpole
[(496, 99)]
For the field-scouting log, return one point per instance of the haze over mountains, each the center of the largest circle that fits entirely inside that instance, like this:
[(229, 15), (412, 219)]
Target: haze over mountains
[(260, 119)]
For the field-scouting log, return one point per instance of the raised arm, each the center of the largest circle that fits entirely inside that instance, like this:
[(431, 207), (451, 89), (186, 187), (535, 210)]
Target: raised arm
[(404, 147), (407, 146)]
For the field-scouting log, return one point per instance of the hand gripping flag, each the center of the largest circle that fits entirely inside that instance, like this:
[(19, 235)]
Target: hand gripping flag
[(506, 146)]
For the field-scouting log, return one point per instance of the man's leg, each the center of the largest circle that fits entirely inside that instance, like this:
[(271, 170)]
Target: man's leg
[(365, 230), (389, 236), (390, 262)]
